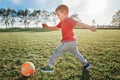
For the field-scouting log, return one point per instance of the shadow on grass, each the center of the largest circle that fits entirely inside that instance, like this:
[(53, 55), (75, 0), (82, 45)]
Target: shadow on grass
[(22, 78), (85, 75)]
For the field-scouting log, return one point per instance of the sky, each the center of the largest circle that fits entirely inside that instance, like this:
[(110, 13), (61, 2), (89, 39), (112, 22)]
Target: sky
[(100, 10)]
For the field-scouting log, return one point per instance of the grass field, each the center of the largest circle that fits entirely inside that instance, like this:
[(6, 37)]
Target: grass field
[(101, 49)]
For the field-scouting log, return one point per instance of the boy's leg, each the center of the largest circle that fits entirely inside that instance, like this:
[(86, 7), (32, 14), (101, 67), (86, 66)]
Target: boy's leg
[(61, 49), (75, 52), (57, 53), (80, 56)]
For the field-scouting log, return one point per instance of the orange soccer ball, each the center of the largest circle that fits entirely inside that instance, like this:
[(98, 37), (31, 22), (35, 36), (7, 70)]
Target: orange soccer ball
[(27, 69)]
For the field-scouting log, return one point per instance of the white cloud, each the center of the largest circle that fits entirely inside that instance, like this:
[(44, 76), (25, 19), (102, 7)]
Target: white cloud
[(17, 2), (31, 10), (76, 5), (95, 6), (71, 3), (39, 2)]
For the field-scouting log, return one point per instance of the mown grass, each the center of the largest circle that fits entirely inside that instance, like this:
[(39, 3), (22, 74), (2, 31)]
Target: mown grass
[(101, 49)]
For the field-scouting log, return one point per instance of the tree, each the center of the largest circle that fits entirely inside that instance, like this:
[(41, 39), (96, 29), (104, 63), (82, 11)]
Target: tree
[(35, 16), (53, 18), (24, 15), (44, 16), (13, 16), (93, 22), (116, 19), (7, 16), (5, 13), (1, 15)]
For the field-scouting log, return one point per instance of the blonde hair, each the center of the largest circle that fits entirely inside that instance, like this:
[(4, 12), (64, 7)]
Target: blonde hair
[(62, 8)]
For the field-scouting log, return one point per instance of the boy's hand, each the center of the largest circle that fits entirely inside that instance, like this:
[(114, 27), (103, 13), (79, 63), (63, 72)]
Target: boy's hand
[(45, 25)]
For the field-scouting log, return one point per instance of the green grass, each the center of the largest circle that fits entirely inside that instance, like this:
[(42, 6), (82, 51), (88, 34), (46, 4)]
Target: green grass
[(101, 49)]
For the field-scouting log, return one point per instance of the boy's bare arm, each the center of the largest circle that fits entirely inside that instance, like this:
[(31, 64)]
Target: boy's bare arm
[(50, 27), (83, 25)]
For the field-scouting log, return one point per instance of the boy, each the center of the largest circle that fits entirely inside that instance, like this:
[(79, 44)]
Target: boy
[(68, 42)]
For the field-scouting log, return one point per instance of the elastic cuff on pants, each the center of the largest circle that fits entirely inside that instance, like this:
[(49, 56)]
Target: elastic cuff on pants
[(84, 64)]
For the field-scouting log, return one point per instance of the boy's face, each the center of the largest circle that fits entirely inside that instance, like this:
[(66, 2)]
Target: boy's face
[(61, 15)]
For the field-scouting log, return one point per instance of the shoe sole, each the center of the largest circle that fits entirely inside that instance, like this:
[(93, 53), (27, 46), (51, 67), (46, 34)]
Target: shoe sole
[(47, 71)]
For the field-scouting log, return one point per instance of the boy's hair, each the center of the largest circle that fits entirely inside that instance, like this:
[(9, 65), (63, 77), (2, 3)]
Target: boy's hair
[(62, 8)]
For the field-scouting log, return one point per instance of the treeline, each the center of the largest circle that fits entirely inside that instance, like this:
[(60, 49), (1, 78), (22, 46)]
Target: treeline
[(10, 18), (24, 18), (107, 27)]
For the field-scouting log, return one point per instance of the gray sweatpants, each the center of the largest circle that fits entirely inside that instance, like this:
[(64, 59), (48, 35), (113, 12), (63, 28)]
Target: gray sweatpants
[(62, 49)]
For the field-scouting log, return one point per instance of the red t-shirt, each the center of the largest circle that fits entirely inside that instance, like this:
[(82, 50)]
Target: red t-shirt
[(67, 27)]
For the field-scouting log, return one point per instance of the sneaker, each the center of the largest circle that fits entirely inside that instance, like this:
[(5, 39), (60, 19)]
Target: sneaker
[(87, 66), (46, 69)]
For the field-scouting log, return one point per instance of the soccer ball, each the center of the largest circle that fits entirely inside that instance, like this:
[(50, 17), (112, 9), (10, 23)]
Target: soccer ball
[(27, 69)]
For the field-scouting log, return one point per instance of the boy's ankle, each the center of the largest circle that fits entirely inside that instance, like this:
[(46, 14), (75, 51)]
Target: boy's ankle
[(87, 66), (85, 63)]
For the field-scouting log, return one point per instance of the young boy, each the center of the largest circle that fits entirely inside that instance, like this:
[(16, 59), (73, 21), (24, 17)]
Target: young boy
[(68, 42)]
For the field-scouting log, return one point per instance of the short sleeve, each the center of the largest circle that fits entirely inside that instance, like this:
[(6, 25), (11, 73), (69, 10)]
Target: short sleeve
[(71, 22), (59, 25)]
